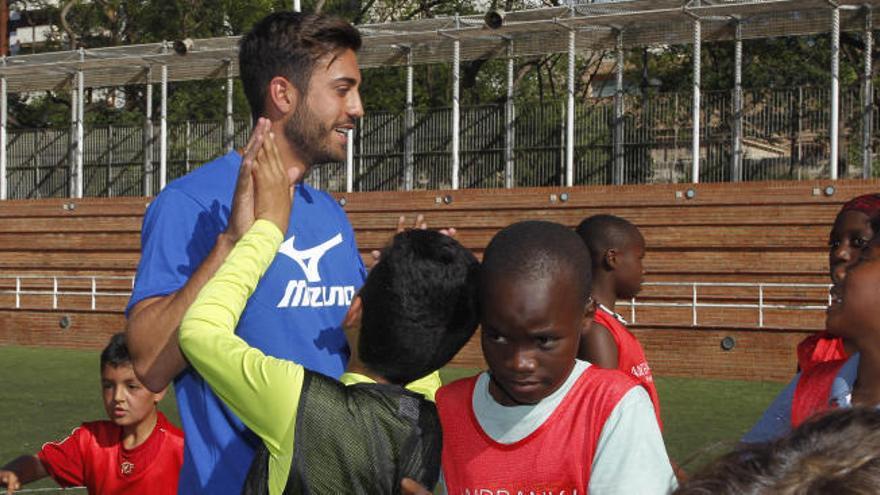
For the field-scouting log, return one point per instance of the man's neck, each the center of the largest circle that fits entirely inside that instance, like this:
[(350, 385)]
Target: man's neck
[(356, 366), (137, 434)]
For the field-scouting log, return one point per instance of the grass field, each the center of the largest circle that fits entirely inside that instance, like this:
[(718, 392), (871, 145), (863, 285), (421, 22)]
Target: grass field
[(47, 392)]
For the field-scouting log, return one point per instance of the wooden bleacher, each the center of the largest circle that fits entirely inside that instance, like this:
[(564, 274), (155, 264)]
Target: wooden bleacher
[(750, 232)]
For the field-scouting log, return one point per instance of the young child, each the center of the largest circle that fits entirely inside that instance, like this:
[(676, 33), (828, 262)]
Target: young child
[(136, 452), (848, 237), (416, 309), (540, 420), (852, 316), (617, 249)]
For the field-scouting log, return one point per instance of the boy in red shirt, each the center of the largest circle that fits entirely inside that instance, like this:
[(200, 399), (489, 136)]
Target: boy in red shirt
[(617, 249), (136, 452), (540, 420)]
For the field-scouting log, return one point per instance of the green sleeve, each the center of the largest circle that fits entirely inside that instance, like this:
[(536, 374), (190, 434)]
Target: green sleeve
[(262, 391)]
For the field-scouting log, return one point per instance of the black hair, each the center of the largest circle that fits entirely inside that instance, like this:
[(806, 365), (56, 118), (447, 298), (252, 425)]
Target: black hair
[(603, 232), (288, 44), (419, 305), (534, 250), (116, 352), (837, 452)]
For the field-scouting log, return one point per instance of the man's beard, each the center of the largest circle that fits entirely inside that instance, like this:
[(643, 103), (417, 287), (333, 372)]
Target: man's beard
[(311, 138)]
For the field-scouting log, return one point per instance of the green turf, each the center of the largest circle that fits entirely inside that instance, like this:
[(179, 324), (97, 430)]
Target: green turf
[(47, 392)]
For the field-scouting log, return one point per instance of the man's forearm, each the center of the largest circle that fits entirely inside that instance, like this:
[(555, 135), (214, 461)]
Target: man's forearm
[(152, 324)]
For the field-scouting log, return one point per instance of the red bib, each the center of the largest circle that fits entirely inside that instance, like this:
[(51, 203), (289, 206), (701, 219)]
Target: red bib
[(555, 458), (813, 389), (93, 456), (630, 356)]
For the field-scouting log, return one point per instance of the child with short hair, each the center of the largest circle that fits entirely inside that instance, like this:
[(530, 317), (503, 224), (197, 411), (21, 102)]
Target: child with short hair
[(136, 452), (540, 420), (416, 309), (617, 249)]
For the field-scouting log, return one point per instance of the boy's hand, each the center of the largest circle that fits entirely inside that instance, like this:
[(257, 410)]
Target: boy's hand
[(242, 216), (10, 480), (272, 185), (410, 487), (419, 223)]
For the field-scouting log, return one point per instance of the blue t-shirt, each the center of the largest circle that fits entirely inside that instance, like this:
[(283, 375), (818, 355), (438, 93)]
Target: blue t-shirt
[(776, 420), (295, 312)]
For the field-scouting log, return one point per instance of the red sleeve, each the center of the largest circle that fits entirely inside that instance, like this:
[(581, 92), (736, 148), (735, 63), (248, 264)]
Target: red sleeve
[(64, 460)]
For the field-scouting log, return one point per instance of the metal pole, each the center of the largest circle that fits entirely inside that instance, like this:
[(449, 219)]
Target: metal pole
[(80, 96), (187, 137), (456, 102), (569, 115), (509, 116), (835, 88), (71, 151), (737, 172), (349, 160), (695, 147), (230, 123), (109, 161), (3, 137), (163, 130), (618, 112), (148, 137), (296, 6), (409, 124), (868, 98)]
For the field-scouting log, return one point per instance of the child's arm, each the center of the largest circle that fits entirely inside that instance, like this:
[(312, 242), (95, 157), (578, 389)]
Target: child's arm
[(21, 471), (262, 391), (598, 346)]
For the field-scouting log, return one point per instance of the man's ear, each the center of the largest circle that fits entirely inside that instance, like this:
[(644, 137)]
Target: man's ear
[(282, 96)]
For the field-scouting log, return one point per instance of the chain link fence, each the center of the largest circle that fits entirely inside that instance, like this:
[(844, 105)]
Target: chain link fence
[(785, 136)]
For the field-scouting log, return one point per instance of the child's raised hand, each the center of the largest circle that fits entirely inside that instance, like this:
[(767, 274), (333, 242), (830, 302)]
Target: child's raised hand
[(272, 185), (410, 487), (10, 480), (242, 216)]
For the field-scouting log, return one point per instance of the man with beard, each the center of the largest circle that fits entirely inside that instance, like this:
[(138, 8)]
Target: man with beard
[(301, 78)]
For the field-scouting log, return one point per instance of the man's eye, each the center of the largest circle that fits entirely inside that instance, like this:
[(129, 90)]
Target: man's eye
[(859, 242), (545, 341)]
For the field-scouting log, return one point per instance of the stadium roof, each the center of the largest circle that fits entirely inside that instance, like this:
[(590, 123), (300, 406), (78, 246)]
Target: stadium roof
[(531, 32)]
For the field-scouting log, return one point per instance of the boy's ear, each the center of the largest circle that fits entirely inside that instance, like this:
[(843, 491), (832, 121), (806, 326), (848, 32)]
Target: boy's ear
[(157, 398), (589, 311), (611, 258), (352, 320)]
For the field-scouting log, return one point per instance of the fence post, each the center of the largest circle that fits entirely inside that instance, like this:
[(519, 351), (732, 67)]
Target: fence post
[(3, 137), (509, 116), (618, 112), (867, 97), (835, 89), (148, 136), (569, 118), (109, 161), (695, 142), (737, 172)]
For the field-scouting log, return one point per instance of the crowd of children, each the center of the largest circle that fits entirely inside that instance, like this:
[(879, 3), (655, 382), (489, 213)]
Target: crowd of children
[(568, 404)]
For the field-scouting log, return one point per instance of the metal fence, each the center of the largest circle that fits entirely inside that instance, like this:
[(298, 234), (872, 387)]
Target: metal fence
[(785, 137)]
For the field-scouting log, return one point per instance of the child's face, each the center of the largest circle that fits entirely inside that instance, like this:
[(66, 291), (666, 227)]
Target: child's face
[(630, 271), (850, 234), (853, 311), (530, 336), (126, 400)]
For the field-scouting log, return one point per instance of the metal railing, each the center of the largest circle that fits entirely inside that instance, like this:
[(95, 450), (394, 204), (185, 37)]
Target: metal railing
[(58, 291), (694, 304), (691, 300)]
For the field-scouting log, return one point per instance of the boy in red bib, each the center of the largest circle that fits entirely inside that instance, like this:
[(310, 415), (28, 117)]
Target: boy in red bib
[(136, 452), (617, 249), (541, 421)]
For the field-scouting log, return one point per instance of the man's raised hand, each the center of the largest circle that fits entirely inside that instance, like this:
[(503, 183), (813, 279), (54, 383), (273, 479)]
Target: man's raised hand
[(242, 216)]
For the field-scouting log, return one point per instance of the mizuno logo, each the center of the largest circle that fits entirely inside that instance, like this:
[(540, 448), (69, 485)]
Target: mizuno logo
[(309, 259)]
